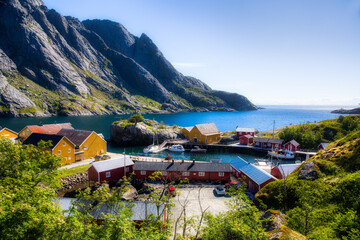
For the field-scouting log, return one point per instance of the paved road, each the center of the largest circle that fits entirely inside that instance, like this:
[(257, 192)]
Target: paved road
[(215, 204)]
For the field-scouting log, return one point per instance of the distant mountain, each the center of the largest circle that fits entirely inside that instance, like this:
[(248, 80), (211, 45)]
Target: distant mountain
[(56, 65), (347, 111)]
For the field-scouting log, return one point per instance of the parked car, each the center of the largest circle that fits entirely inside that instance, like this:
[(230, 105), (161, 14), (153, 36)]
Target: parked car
[(220, 190), (171, 190), (250, 196)]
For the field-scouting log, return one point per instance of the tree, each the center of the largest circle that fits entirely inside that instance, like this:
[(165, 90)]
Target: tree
[(136, 118)]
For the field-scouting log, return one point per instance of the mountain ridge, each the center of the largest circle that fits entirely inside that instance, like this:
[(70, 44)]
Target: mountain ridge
[(56, 65)]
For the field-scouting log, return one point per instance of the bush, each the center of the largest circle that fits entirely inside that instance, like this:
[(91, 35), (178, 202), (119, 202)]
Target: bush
[(136, 118)]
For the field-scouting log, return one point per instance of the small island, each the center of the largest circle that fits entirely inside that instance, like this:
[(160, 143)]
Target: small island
[(347, 111)]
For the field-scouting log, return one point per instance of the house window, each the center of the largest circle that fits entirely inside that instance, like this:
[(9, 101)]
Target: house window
[(201, 174), (127, 169), (163, 173), (59, 152), (69, 157), (69, 150), (64, 144), (27, 130), (185, 173), (102, 151), (85, 147), (108, 174), (221, 174), (143, 172)]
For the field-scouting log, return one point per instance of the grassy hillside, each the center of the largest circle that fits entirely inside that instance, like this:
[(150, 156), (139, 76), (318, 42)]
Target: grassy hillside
[(327, 205)]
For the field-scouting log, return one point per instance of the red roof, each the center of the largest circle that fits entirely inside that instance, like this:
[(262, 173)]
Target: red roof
[(49, 128)]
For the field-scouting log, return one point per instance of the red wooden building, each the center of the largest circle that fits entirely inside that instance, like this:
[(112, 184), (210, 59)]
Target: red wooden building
[(283, 170), (246, 139), (194, 171), (268, 143), (254, 177), (112, 169), (292, 146), (322, 146), (246, 131)]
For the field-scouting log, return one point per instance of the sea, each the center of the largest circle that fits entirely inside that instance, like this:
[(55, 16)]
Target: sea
[(263, 119)]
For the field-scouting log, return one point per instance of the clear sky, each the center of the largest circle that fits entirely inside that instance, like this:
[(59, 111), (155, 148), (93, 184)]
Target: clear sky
[(271, 51)]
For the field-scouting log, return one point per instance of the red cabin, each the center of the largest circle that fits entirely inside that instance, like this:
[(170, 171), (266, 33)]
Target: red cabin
[(292, 146), (194, 171), (246, 139), (322, 146), (283, 170), (246, 131), (109, 170), (254, 177)]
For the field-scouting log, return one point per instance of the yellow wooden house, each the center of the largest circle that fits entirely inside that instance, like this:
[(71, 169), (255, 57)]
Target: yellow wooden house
[(88, 144), (60, 145), (204, 133), (185, 132), (8, 133)]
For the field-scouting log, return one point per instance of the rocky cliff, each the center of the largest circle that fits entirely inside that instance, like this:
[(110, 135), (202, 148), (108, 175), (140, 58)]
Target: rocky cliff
[(56, 65)]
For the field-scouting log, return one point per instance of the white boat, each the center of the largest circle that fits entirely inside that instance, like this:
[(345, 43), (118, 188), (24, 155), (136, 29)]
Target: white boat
[(282, 154), (152, 149), (197, 149), (177, 148)]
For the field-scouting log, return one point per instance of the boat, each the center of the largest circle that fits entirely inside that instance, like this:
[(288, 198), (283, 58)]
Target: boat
[(197, 149), (152, 149), (177, 148), (282, 154)]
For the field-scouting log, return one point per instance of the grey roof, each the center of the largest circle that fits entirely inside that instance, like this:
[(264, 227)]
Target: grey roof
[(182, 166), (239, 129), (254, 173), (35, 138), (139, 209), (189, 128), (268, 140), (295, 143), (111, 164), (286, 169), (208, 128), (76, 136)]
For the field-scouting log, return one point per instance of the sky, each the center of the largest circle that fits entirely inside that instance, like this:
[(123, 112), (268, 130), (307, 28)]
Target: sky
[(299, 52)]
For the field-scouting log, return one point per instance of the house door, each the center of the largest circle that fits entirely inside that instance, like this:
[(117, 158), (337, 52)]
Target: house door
[(195, 139)]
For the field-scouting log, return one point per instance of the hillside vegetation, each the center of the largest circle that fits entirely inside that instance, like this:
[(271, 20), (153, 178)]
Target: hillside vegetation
[(310, 135), (321, 198)]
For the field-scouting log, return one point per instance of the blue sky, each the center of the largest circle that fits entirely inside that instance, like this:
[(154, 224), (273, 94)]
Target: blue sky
[(271, 51)]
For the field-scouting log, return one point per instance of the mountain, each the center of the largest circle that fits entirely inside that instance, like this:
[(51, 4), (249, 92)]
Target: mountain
[(347, 111), (56, 65)]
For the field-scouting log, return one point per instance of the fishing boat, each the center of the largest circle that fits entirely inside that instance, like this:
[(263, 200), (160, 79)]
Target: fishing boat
[(197, 149), (151, 149), (282, 154), (177, 148)]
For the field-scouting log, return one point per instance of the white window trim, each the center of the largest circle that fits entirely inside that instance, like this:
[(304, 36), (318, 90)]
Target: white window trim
[(108, 174), (64, 144), (59, 152), (142, 172), (201, 174), (221, 174), (163, 173), (185, 174)]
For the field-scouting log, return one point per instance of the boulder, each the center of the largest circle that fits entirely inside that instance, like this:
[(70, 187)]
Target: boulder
[(308, 171)]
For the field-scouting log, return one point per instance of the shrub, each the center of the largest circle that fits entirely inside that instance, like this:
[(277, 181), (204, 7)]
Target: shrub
[(136, 118)]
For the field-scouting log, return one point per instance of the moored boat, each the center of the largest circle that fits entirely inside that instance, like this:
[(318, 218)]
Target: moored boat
[(177, 148), (151, 149), (282, 154), (197, 149)]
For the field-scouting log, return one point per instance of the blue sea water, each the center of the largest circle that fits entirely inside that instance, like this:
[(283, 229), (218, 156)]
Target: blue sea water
[(226, 121)]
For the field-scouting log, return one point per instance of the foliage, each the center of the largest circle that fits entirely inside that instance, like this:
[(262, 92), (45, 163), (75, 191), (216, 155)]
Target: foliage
[(310, 135), (136, 118), (71, 171)]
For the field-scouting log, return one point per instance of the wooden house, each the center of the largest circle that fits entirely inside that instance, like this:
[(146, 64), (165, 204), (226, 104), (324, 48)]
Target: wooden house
[(43, 128), (7, 133), (246, 139), (185, 132), (246, 131), (205, 134), (60, 145), (194, 171), (292, 146), (88, 144), (322, 146), (268, 143), (283, 170), (254, 177), (111, 169)]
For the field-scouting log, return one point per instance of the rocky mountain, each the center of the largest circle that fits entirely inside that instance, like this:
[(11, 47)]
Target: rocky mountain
[(56, 65)]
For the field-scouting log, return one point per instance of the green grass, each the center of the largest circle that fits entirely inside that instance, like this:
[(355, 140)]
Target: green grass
[(68, 172)]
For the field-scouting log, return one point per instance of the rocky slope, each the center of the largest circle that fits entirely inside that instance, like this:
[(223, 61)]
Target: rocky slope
[(124, 133), (56, 65)]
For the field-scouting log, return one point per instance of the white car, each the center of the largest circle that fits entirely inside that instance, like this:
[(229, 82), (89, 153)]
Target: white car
[(220, 191)]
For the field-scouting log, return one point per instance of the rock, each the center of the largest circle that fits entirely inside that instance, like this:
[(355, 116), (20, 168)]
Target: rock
[(308, 171), (92, 64), (142, 134)]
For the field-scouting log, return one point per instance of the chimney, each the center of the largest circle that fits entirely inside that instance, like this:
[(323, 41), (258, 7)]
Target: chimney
[(40, 124)]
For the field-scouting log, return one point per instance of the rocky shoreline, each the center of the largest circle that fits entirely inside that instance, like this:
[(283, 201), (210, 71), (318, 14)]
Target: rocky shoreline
[(72, 183)]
